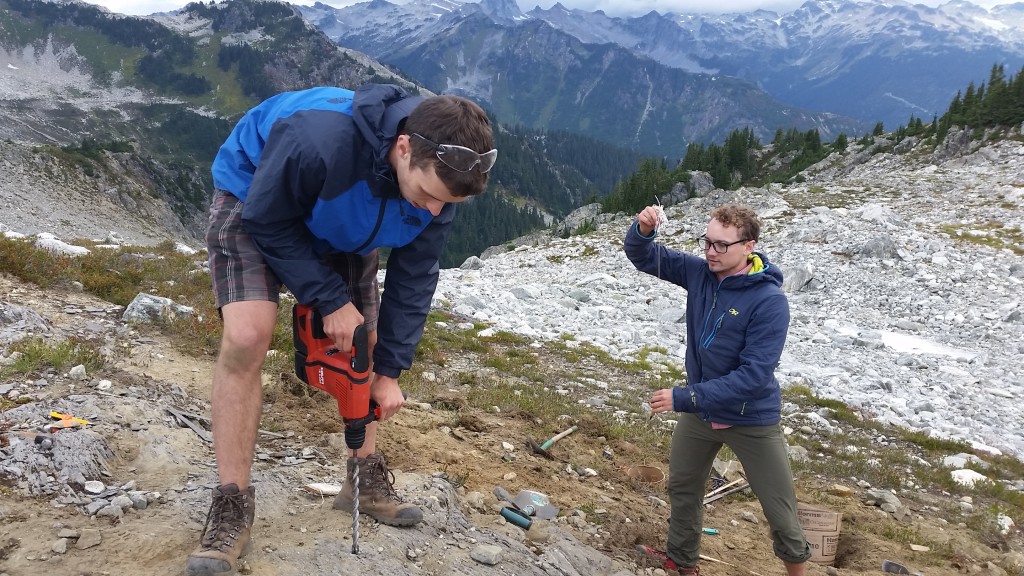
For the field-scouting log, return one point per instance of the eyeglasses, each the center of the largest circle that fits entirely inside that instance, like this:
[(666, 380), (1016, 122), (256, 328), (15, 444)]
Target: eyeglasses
[(720, 247), (460, 158)]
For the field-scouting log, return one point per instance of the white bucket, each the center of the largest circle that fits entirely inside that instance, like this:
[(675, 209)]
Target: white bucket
[(821, 528)]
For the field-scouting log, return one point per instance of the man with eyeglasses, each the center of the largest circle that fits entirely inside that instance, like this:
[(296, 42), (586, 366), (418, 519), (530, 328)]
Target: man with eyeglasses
[(309, 185), (736, 323)]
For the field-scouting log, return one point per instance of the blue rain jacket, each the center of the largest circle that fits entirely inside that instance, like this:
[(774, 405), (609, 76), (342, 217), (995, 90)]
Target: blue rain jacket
[(311, 168), (735, 331)]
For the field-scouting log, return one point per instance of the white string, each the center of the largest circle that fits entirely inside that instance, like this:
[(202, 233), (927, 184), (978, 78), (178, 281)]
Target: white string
[(661, 219)]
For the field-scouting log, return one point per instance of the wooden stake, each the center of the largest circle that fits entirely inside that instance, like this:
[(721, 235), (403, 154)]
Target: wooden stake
[(720, 495), (716, 560), (724, 486)]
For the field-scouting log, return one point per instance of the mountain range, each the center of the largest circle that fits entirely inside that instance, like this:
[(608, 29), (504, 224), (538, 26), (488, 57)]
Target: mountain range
[(135, 107), (869, 60)]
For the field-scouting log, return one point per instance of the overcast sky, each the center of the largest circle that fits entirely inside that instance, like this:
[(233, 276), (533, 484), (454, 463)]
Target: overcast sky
[(611, 7)]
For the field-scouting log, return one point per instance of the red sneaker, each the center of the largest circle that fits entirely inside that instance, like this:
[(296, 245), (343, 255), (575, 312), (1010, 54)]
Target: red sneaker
[(664, 561)]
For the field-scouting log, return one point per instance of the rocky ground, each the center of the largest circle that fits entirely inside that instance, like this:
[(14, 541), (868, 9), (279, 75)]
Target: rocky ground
[(903, 272), (451, 457)]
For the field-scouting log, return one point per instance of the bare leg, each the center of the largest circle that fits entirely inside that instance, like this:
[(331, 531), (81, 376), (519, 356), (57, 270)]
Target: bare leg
[(796, 569), (370, 443), (237, 390)]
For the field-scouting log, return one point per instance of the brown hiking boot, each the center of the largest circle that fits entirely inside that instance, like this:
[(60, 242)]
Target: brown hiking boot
[(226, 536), (377, 496)]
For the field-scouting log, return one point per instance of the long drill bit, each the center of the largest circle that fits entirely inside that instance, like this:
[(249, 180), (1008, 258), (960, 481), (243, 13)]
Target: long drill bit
[(355, 506)]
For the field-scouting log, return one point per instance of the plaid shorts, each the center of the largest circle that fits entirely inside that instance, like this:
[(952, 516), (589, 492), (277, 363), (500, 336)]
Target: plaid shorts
[(239, 272)]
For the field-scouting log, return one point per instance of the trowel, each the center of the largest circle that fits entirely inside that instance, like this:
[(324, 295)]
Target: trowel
[(542, 506)]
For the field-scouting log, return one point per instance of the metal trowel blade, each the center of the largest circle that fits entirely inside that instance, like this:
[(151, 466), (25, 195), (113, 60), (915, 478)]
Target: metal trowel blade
[(545, 510)]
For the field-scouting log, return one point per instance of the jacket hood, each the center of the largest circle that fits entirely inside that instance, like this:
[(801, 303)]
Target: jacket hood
[(771, 271), (378, 110), (762, 271)]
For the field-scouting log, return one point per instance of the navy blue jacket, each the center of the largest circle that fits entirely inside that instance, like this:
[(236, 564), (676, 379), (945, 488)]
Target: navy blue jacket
[(735, 331), (311, 168)]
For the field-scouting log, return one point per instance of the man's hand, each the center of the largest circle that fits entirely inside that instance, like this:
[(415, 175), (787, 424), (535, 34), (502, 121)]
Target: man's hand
[(341, 324), (648, 220), (386, 393), (661, 401)]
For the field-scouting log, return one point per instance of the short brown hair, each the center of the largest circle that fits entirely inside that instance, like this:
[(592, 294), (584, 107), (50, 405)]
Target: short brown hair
[(741, 217), (450, 120)]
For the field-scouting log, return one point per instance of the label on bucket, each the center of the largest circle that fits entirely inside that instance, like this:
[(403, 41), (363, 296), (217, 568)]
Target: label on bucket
[(823, 544), (818, 520)]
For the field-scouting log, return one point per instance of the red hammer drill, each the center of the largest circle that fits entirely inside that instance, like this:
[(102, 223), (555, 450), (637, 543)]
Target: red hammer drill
[(344, 375)]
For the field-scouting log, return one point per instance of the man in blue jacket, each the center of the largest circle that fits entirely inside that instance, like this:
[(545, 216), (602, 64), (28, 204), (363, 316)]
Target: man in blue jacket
[(309, 185), (736, 323)]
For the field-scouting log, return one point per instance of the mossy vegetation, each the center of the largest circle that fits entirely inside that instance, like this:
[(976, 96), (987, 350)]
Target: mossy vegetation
[(993, 234)]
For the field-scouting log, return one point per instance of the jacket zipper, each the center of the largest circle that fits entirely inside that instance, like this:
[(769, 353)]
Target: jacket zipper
[(714, 330), (376, 227), (706, 340)]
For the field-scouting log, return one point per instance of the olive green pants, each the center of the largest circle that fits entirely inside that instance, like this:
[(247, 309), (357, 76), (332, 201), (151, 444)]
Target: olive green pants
[(762, 452)]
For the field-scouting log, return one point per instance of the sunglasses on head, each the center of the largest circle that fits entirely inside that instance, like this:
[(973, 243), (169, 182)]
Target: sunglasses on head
[(460, 158)]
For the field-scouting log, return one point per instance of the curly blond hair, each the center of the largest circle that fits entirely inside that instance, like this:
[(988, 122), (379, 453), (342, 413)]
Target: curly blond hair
[(741, 217)]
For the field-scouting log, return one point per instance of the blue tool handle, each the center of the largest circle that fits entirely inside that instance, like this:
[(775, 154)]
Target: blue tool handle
[(516, 517)]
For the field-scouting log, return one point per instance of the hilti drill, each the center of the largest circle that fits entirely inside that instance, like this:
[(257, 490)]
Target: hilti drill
[(344, 375)]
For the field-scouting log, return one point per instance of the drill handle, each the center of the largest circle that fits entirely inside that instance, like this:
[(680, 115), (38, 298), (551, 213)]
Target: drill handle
[(360, 350), (308, 327), (372, 416), (355, 428)]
